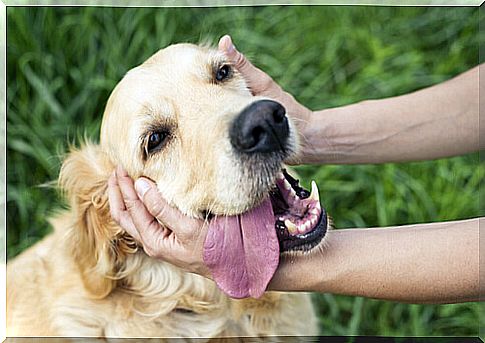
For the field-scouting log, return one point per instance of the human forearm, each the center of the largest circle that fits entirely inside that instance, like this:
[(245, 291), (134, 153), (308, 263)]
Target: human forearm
[(424, 263), (435, 122)]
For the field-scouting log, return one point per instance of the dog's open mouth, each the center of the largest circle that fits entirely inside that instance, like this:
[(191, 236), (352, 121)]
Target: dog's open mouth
[(300, 220), (243, 251)]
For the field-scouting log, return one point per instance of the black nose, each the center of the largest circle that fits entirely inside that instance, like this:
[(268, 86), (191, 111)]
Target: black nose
[(260, 127)]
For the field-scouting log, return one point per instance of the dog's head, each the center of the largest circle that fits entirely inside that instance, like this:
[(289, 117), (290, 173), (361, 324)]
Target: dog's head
[(186, 119)]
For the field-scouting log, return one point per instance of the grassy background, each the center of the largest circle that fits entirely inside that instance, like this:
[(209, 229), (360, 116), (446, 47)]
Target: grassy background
[(63, 63)]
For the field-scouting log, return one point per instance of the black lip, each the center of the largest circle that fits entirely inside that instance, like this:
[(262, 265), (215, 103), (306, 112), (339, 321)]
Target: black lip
[(295, 184), (303, 242), (300, 242)]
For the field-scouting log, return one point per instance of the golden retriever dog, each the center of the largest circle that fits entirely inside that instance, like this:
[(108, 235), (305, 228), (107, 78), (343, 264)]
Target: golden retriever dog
[(186, 119)]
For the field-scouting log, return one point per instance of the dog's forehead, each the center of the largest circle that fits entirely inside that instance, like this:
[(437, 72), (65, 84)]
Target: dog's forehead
[(170, 71), (165, 78), (180, 59)]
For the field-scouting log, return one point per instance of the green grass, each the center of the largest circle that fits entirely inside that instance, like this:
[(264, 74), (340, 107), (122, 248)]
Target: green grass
[(63, 63)]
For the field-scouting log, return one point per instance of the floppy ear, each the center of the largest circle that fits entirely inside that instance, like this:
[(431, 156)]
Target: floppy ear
[(97, 242)]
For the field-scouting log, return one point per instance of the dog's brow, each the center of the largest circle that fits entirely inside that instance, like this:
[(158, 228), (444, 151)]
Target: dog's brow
[(160, 109), (218, 60)]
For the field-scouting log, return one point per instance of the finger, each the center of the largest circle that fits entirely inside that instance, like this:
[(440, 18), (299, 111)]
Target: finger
[(117, 208), (258, 81), (126, 222), (160, 209), (148, 228), (115, 199), (125, 183)]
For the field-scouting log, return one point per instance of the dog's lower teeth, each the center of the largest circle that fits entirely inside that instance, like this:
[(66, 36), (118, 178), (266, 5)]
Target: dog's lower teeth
[(301, 226), (313, 220), (302, 210), (292, 229), (304, 227)]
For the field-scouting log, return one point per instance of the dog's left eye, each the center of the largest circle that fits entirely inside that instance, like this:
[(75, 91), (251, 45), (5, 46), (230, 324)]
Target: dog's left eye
[(223, 73), (156, 140)]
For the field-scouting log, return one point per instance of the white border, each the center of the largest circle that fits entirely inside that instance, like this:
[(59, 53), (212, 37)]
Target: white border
[(3, 170), (145, 3), (226, 3)]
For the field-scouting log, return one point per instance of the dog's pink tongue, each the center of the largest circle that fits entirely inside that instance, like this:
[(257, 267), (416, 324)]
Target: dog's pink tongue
[(242, 251)]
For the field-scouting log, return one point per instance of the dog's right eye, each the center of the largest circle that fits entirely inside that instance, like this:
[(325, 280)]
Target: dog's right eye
[(156, 140)]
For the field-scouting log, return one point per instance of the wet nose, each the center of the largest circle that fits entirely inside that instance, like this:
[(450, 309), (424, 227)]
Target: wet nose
[(262, 127)]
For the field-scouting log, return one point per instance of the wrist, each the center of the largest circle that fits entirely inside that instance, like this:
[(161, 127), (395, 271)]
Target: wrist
[(306, 136), (300, 116), (314, 271), (333, 136), (315, 137)]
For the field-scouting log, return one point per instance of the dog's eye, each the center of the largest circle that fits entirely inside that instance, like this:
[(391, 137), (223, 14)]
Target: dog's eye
[(155, 140), (223, 73)]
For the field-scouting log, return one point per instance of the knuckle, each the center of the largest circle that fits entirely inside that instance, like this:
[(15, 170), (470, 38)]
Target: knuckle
[(154, 206), (242, 63), (132, 205), (151, 196), (123, 178)]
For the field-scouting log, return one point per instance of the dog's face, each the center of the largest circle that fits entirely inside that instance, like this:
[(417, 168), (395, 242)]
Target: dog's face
[(171, 119), (186, 119)]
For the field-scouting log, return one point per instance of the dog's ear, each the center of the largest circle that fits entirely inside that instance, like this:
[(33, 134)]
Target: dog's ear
[(97, 241)]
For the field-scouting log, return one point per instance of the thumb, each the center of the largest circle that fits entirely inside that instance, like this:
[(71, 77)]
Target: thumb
[(258, 81), (159, 207)]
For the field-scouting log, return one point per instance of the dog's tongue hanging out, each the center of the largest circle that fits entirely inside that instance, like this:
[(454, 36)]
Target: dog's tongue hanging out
[(242, 251)]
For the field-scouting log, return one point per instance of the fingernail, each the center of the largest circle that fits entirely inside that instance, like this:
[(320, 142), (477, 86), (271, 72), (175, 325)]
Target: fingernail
[(226, 45), (141, 187)]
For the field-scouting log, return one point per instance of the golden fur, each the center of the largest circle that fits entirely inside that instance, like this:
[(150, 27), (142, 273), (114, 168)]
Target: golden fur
[(89, 278)]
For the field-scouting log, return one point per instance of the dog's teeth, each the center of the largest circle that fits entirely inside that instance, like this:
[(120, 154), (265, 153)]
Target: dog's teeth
[(287, 185), (304, 227), (314, 194), (316, 210), (291, 227), (313, 220)]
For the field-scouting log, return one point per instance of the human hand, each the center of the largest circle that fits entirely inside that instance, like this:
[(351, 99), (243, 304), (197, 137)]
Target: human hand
[(262, 84), (140, 209)]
